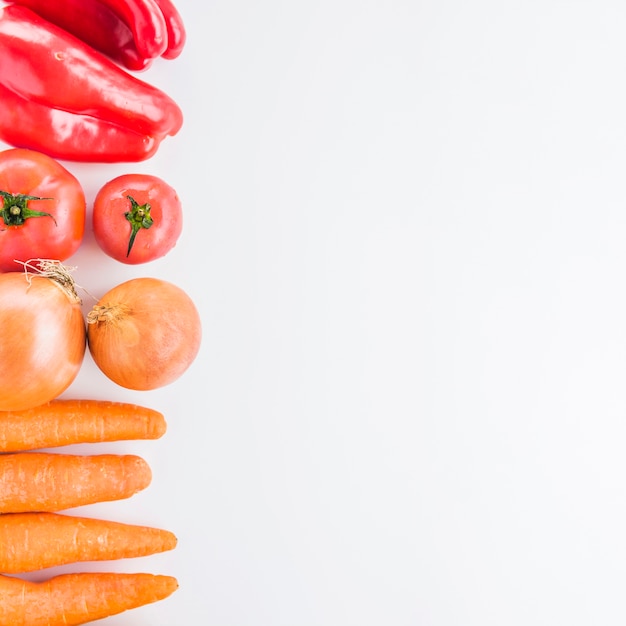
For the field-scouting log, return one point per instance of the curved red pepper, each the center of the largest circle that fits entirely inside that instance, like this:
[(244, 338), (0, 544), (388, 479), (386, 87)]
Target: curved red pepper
[(46, 66), (96, 24), (131, 32), (67, 136)]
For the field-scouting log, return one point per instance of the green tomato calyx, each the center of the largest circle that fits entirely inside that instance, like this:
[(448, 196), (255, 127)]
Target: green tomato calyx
[(139, 217), (15, 209)]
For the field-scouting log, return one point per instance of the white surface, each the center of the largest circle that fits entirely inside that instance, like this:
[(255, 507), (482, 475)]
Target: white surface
[(405, 233)]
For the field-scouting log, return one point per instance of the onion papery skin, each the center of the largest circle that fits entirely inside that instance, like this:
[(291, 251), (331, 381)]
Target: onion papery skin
[(42, 340), (144, 333)]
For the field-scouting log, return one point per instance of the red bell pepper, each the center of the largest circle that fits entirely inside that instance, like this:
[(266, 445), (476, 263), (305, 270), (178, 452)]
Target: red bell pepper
[(64, 135), (131, 32), (73, 102), (96, 24)]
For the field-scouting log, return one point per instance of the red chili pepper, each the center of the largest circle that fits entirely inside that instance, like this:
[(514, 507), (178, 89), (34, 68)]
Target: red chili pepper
[(75, 100), (96, 24)]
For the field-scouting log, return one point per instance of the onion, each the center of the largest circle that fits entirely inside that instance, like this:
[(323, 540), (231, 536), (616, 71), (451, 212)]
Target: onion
[(42, 335), (144, 333)]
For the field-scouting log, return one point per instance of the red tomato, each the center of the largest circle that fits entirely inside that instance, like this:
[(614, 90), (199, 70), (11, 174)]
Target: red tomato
[(42, 209), (137, 218)]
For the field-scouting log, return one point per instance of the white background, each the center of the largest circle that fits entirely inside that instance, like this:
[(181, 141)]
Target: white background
[(405, 231)]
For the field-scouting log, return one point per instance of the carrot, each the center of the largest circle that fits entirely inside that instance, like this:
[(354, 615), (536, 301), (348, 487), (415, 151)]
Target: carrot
[(41, 481), (34, 541), (78, 598), (64, 422)]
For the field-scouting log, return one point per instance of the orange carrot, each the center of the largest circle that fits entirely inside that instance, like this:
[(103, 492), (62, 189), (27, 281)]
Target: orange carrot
[(80, 598), (41, 481), (64, 422), (34, 541)]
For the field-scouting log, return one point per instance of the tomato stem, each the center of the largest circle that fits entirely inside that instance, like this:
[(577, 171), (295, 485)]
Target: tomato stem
[(15, 209), (139, 217)]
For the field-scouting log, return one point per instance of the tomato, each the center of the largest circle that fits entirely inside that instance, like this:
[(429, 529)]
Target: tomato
[(43, 209), (137, 218)]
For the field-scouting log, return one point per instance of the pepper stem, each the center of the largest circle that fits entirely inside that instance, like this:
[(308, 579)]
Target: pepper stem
[(139, 217), (15, 209)]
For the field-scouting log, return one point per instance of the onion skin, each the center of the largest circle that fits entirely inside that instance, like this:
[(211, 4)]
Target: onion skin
[(144, 333), (42, 340)]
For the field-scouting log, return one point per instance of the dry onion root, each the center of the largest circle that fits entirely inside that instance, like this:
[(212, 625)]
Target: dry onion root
[(144, 333), (42, 334)]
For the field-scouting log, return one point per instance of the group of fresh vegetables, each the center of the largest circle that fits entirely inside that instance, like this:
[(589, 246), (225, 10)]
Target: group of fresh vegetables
[(66, 93)]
